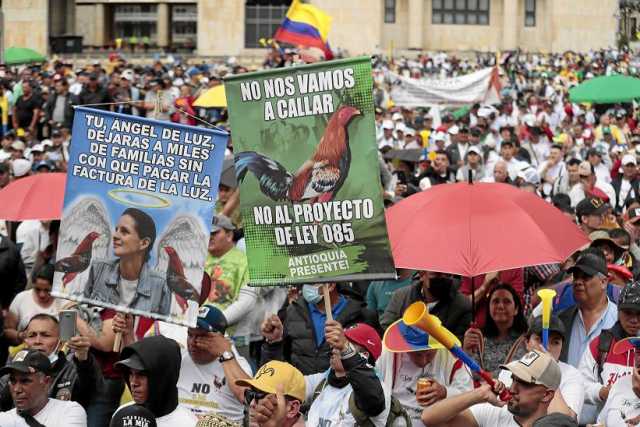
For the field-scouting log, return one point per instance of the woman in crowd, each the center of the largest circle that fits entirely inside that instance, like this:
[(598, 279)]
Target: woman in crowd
[(504, 327), (30, 302)]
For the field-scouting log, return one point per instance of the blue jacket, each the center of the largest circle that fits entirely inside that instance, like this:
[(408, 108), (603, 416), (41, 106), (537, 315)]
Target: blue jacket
[(152, 295)]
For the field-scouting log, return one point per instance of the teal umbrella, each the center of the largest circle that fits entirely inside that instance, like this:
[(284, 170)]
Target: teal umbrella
[(22, 55), (606, 90)]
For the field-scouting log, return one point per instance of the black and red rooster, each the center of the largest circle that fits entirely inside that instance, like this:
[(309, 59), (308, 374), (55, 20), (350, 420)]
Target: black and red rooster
[(319, 178)]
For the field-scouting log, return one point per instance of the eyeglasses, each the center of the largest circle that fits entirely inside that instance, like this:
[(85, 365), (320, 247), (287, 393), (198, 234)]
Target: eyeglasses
[(250, 395)]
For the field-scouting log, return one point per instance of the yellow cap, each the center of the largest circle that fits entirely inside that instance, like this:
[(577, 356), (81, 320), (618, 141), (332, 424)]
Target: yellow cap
[(273, 373)]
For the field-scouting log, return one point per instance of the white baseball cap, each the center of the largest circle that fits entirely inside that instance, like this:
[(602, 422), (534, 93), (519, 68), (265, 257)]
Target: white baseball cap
[(529, 120), (629, 159), (387, 124), (454, 130), (397, 116), (20, 167), (536, 368), (474, 149), (38, 147)]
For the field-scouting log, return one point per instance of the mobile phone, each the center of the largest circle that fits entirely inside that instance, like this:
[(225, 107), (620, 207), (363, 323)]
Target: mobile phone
[(402, 177), (68, 327)]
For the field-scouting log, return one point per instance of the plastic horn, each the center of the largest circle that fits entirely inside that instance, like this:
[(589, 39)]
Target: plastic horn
[(546, 295), (417, 315)]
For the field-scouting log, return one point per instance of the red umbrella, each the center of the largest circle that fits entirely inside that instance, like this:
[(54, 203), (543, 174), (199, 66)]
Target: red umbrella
[(38, 196), (471, 229)]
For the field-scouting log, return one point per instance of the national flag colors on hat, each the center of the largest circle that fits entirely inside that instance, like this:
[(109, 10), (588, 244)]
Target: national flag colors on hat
[(305, 25), (627, 344), (401, 338)]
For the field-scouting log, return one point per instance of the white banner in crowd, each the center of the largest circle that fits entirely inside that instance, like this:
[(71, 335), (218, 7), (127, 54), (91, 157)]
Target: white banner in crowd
[(482, 87)]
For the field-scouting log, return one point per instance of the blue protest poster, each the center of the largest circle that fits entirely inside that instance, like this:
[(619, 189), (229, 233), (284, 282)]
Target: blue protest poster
[(137, 214)]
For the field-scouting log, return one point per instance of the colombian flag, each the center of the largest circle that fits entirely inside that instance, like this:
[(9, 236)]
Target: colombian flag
[(305, 25)]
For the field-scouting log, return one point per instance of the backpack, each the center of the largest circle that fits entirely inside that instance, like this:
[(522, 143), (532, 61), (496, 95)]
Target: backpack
[(396, 411)]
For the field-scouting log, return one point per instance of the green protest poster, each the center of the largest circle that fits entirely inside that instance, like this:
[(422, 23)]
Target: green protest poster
[(306, 159)]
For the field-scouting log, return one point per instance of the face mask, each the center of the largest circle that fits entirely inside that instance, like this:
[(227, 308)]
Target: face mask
[(53, 357), (311, 294), (440, 287)]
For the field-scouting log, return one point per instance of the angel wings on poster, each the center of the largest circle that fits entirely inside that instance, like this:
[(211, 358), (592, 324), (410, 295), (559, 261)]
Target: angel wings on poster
[(110, 261)]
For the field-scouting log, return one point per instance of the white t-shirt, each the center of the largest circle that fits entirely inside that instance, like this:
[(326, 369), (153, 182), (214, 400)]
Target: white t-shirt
[(487, 415), (127, 290), (204, 388), (444, 368), (33, 237), (621, 405), (179, 417), (24, 307), (331, 407), (56, 413), (571, 386)]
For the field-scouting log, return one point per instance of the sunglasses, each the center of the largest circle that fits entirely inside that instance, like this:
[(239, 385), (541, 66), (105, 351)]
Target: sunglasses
[(577, 274), (250, 395)]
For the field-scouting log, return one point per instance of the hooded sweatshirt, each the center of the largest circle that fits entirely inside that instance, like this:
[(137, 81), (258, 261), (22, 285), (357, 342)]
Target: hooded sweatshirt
[(161, 358)]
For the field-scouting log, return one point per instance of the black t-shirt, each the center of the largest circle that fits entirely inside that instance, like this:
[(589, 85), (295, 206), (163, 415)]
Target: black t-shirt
[(24, 110)]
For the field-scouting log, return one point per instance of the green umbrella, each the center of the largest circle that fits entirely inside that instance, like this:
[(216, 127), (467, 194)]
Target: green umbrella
[(606, 90), (461, 112), (22, 55)]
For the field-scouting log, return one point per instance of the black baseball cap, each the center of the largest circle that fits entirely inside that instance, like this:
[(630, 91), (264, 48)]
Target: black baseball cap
[(590, 264), (132, 362), (591, 206), (133, 415), (555, 325), (630, 297), (28, 362)]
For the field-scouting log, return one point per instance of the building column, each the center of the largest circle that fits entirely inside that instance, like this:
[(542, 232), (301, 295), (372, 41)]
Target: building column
[(70, 18), (510, 20), (416, 21), (26, 24), (99, 38), (163, 24)]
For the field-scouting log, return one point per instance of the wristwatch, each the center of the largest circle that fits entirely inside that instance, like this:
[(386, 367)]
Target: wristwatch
[(226, 356)]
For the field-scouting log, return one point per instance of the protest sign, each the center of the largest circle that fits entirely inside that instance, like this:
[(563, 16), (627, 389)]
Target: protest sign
[(310, 194), (479, 87), (137, 212)]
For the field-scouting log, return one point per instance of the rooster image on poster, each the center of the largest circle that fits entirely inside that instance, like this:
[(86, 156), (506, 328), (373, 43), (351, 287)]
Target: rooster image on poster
[(178, 283), (317, 179), (101, 264), (78, 261)]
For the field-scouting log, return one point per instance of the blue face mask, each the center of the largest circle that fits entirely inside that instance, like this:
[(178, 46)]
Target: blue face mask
[(311, 294)]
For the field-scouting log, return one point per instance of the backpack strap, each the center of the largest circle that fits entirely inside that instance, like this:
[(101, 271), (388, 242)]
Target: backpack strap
[(317, 391), (514, 348), (604, 345), (361, 418), (396, 410)]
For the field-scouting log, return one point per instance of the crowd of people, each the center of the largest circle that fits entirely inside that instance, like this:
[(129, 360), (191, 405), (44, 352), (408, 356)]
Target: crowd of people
[(269, 356)]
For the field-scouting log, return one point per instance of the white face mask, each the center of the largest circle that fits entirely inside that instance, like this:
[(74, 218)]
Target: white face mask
[(53, 357)]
